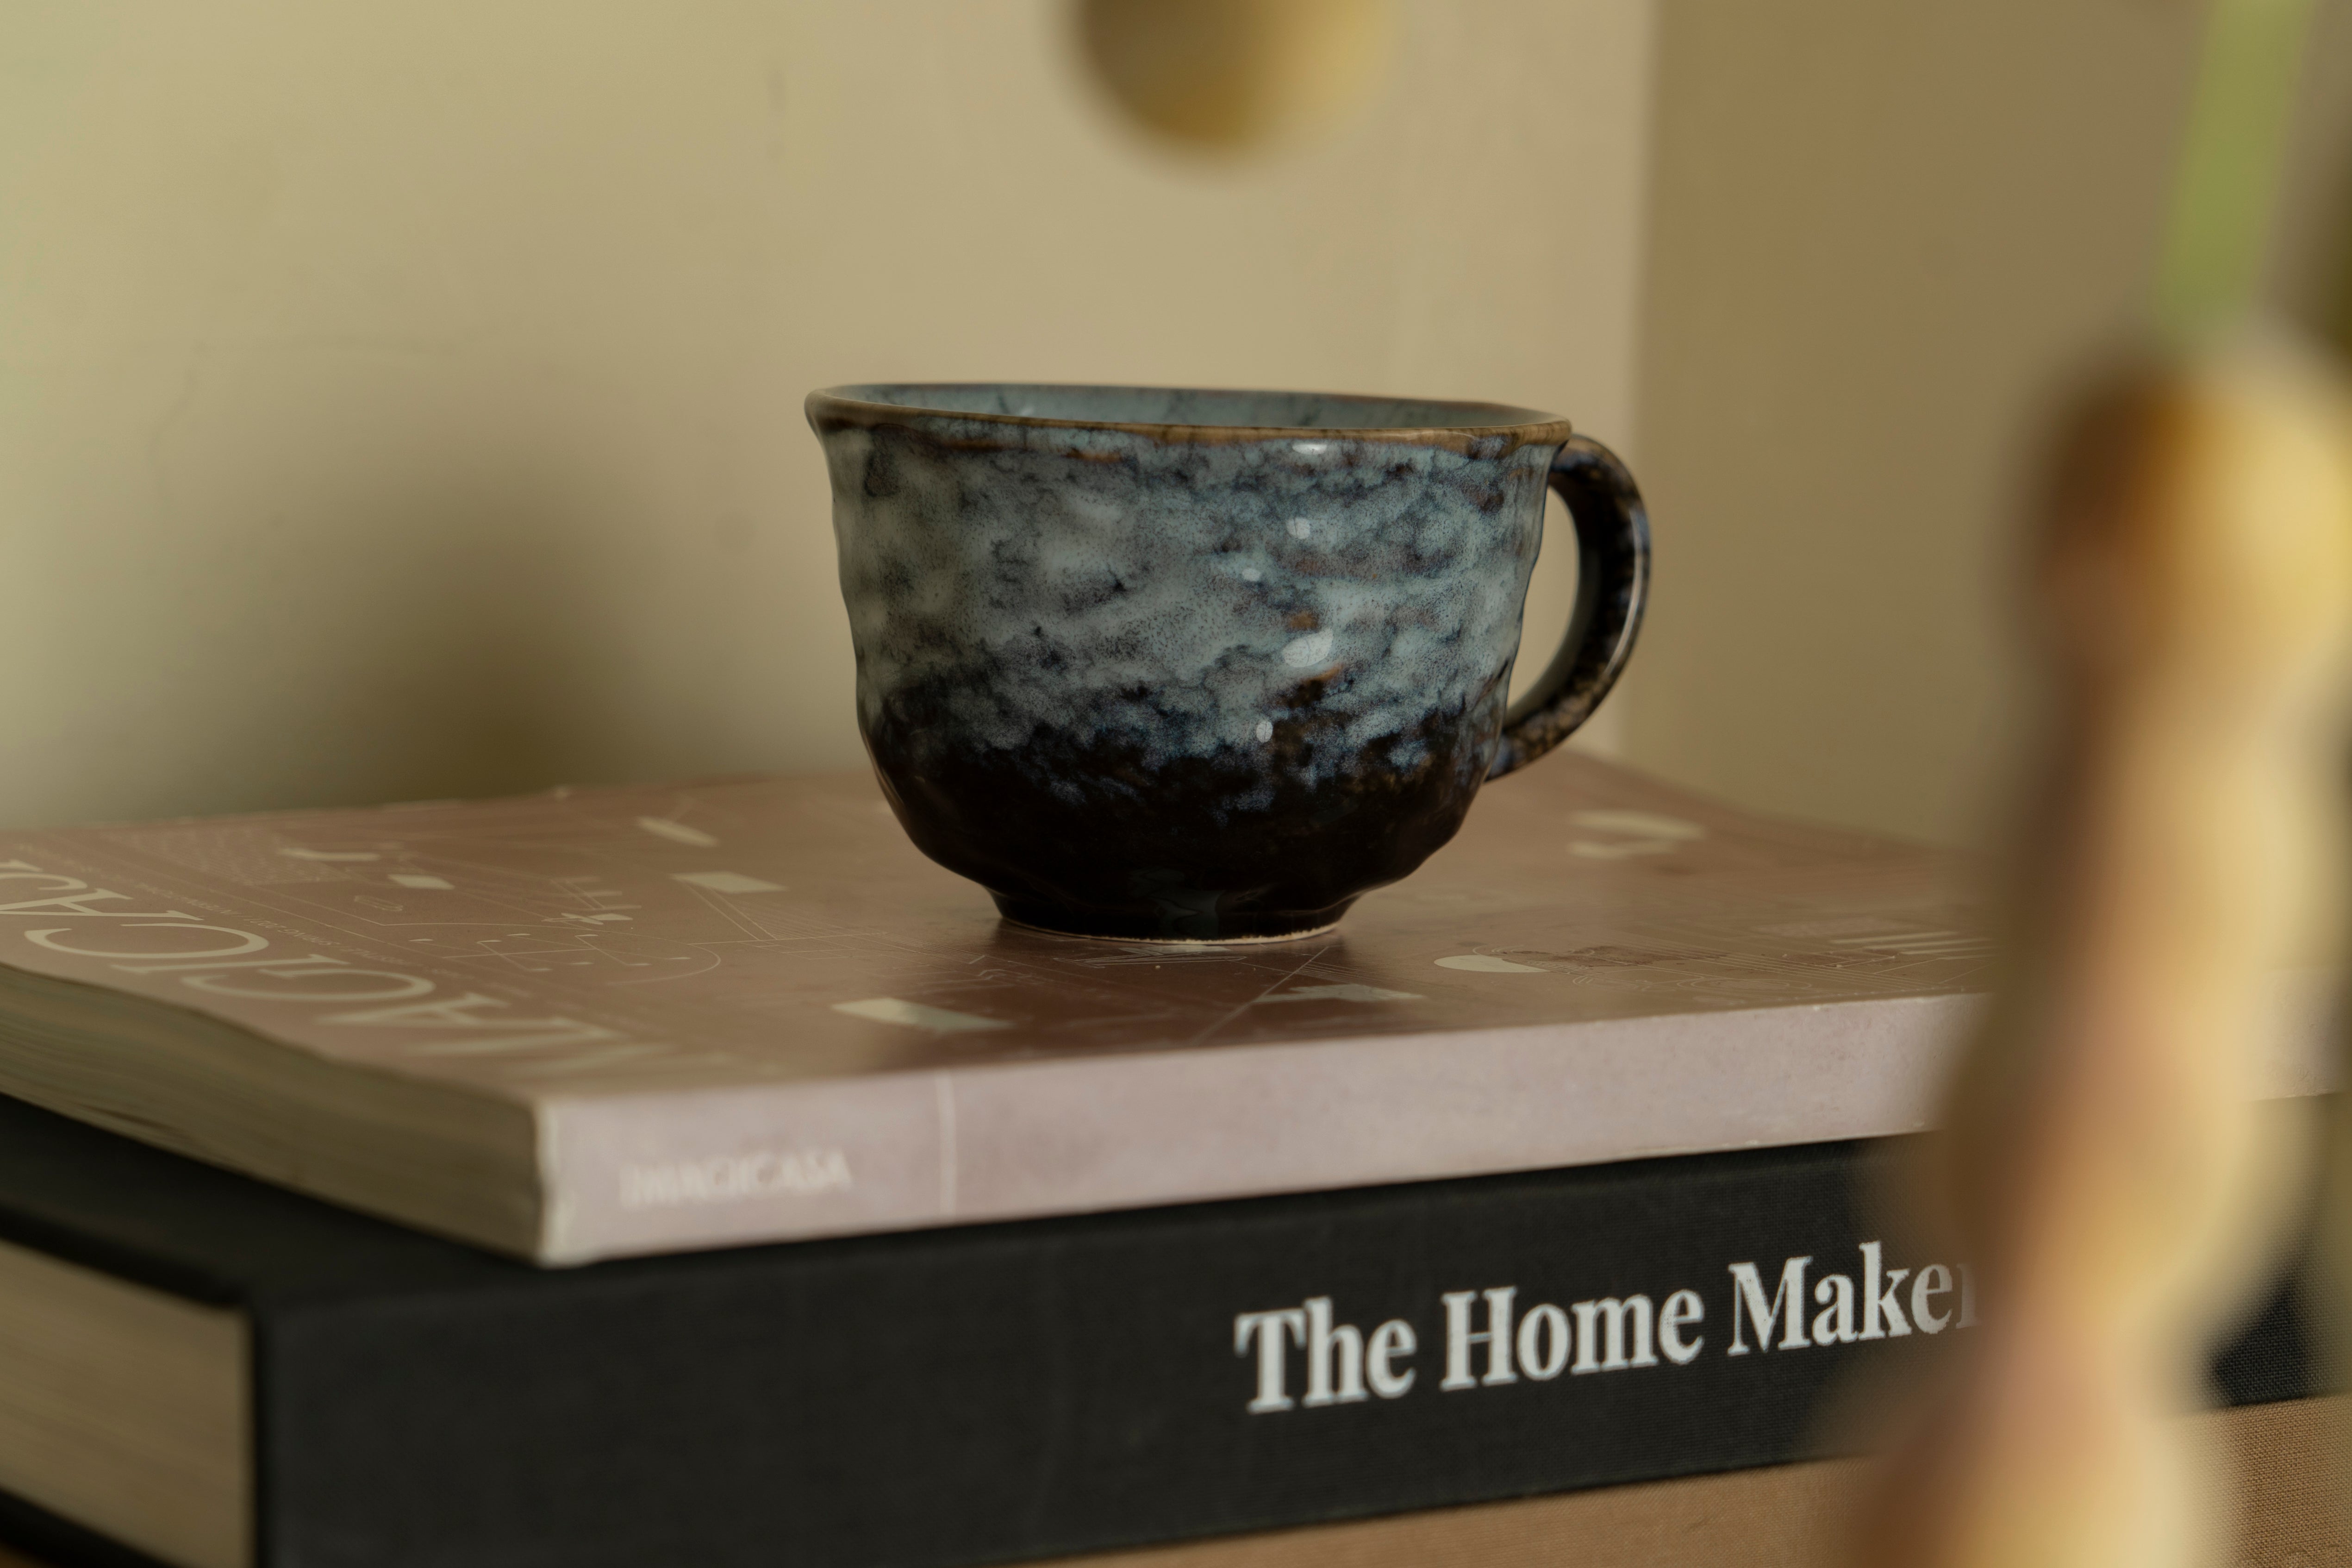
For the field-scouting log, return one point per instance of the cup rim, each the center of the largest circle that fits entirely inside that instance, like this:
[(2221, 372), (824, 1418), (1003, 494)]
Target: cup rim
[(848, 407)]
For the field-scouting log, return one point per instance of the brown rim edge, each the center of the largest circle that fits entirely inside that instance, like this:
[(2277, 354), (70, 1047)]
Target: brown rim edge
[(830, 408)]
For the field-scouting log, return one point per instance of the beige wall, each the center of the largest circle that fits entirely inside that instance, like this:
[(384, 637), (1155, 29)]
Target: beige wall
[(1885, 237), (405, 400)]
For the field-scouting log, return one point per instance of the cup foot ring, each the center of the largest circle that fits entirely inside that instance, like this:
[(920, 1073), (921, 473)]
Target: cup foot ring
[(1137, 930)]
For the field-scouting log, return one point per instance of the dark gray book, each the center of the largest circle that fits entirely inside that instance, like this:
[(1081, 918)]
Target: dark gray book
[(204, 1369)]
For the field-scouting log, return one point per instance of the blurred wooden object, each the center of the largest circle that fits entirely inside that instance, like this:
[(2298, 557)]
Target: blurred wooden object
[(2102, 1163), (1228, 75)]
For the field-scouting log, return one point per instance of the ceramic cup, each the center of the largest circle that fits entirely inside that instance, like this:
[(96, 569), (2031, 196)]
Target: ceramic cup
[(1207, 665)]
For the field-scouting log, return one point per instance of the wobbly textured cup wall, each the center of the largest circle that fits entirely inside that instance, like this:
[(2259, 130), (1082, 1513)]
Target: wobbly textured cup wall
[(1207, 682)]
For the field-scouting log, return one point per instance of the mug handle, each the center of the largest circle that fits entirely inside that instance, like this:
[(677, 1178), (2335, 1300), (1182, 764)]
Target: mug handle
[(1612, 584)]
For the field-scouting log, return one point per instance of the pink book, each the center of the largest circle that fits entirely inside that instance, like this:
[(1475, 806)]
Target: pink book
[(600, 1022)]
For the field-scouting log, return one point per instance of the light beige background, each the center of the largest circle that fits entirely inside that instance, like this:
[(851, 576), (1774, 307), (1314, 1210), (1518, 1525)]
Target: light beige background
[(1886, 241), (402, 400), (1886, 237), (405, 400)]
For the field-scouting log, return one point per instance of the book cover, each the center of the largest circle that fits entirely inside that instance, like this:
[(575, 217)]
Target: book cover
[(615, 1021)]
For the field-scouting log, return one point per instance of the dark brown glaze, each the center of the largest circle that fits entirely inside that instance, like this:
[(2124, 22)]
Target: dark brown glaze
[(1163, 852)]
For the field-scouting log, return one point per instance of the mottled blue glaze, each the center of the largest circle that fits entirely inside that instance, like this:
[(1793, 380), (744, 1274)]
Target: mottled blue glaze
[(1181, 664)]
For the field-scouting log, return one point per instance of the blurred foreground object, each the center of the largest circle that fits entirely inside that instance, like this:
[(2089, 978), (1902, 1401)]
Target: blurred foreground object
[(2218, 232), (1228, 75), (2104, 1164)]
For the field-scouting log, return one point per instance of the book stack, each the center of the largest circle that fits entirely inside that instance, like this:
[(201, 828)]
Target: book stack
[(698, 1176)]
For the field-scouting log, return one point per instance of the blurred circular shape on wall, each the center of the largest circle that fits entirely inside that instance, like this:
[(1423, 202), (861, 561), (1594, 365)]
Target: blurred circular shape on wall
[(1233, 76)]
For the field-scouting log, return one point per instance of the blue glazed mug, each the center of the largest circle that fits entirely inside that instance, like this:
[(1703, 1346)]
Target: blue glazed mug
[(1207, 665)]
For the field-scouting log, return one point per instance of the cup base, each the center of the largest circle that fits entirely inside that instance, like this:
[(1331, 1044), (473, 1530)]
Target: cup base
[(1231, 931)]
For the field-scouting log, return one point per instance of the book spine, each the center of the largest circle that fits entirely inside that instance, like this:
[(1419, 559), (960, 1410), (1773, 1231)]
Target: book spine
[(631, 1174), (986, 1393)]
